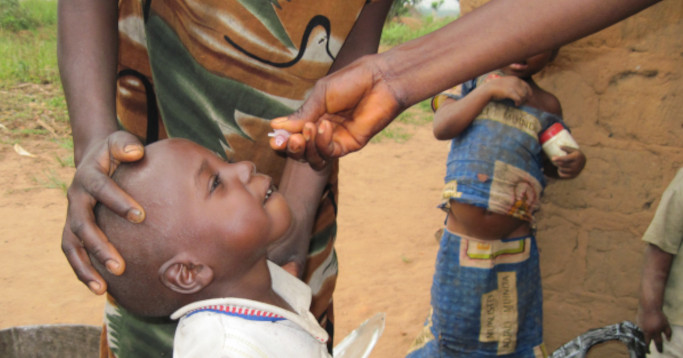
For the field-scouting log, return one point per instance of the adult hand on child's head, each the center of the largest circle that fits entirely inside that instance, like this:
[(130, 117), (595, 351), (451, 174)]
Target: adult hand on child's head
[(570, 166), (347, 108), (509, 87), (92, 184)]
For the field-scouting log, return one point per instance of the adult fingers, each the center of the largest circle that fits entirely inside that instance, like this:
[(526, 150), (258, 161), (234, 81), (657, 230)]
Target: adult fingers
[(81, 224), (81, 237), (313, 155), (291, 143), (90, 186), (279, 139), (80, 262), (312, 109), (301, 146), (324, 140), (93, 177), (77, 252)]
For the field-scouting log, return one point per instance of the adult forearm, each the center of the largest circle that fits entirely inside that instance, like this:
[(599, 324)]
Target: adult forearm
[(87, 55), (500, 32), (655, 274)]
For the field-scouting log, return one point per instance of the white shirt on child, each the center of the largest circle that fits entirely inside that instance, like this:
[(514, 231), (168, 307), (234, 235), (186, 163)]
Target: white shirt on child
[(235, 327)]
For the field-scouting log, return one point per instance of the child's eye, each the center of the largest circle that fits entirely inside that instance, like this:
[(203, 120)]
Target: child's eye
[(214, 182)]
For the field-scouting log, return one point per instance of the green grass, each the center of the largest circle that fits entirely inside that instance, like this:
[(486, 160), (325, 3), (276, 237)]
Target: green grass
[(14, 16), (393, 133), (33, 102), (399, 129), (66, 143), (33, 109), (44, 12), (418, 114), (28, 56), (52, 181), (395, 33), (32, 132), (57, 106), (66, 161), (17, 15), (28, 42)]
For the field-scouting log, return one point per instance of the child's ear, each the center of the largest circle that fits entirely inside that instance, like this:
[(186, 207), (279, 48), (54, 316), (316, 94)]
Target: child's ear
[(185, 277)]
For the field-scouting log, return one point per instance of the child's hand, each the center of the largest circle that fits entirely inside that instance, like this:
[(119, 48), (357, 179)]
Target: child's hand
[(509, 87), (569, 166)]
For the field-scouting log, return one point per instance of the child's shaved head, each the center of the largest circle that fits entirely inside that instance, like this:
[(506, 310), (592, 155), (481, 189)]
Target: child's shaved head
[(138, 289), (208, 224)]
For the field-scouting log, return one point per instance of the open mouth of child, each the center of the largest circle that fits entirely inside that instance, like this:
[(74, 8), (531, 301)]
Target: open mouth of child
[(269, 192)]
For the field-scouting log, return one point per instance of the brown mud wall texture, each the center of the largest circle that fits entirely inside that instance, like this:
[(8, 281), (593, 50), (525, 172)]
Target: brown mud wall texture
[(622, 94)]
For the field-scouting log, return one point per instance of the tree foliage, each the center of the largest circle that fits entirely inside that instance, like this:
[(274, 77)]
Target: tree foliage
[(401, 7), (14, 17)]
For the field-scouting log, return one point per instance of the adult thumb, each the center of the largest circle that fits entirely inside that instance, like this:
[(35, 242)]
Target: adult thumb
[(310, 111), (125, 147)]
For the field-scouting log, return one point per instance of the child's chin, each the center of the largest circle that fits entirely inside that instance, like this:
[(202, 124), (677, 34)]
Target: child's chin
[(277, 202)]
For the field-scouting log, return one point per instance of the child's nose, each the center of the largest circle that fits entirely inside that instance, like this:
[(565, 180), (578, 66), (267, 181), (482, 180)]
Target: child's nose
[(244, 170)]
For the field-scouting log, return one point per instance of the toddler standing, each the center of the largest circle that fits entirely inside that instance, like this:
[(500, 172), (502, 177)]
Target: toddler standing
[(486, 293)]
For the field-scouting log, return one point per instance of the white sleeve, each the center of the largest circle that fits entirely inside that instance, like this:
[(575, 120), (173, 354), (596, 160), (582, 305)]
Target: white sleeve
[(666, 227)]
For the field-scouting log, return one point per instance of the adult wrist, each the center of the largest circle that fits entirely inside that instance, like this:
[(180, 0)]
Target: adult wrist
[(408, 79), (85, 140)]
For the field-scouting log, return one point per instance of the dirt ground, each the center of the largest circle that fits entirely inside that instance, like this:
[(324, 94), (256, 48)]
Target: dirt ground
[(385, 243)]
